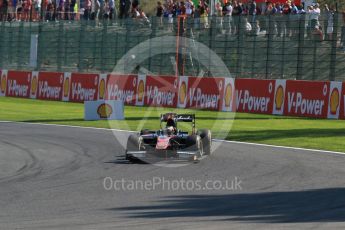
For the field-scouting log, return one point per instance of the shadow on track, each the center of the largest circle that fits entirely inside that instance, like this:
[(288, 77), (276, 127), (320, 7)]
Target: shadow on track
[(122, 160), (319, 205)]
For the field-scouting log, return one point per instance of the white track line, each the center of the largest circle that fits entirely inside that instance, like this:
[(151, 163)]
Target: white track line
[(280, 147), (68, 126), (216, 140)]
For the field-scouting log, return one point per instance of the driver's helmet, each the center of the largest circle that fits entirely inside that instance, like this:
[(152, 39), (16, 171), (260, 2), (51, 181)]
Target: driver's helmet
[(170, 130), (171, 121)]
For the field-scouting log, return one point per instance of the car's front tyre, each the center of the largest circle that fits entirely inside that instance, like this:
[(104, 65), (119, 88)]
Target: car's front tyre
[(133, 144), (194, 144), (206, 138)]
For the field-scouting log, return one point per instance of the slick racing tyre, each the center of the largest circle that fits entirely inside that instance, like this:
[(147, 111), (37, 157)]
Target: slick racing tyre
[(194, 143), (133, 144), (206, 138)]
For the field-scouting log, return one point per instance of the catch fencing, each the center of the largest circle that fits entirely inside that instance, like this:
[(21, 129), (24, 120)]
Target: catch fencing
[(286, 47)]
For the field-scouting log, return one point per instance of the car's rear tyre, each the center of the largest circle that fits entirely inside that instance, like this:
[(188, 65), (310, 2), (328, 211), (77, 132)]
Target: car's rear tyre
[(206, 138)]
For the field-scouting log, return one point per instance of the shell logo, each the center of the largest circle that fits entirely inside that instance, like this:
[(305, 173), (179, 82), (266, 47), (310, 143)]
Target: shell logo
[(104, 110), (279, 97), (228, 95), (182, 93), (101, 89), (34, 83), (3, 83), (141, 90), (334, 101), (66, 87)]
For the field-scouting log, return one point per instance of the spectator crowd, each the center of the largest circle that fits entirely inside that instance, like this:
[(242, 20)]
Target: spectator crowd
[(250, 18), (233, 16), (37, 10)]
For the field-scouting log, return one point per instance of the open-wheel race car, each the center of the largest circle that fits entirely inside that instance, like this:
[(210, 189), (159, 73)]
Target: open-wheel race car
[(169, 142)]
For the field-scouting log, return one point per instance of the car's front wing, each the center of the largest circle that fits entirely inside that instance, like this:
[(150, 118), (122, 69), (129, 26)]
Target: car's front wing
[(167, 154)]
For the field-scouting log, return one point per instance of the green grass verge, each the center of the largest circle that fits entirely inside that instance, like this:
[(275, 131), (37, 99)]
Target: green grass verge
[(276, 130)]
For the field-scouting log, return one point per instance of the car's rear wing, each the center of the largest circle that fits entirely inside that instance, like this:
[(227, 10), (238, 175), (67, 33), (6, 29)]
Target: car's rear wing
[(185, 117), (179, 118)]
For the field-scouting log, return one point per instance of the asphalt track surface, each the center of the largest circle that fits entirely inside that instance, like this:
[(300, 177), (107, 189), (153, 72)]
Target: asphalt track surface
[(52, 178)]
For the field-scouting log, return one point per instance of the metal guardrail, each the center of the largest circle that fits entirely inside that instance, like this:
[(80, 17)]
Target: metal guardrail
[(286, 47)]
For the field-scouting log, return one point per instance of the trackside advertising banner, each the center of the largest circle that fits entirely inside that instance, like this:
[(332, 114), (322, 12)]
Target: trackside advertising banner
[(18, 84), (84, 87), (34, 84), (66, 86), (102, 86), (182, 92), (342, 102), (49, 86), (306, 99), (279, 97), (161, 91), (140, 90), (121, 87), (3, 82), (334, 100), (254, 96), (315, 99), (228, 95), (203, 93)]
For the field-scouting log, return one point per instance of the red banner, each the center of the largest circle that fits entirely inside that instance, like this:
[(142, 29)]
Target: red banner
[(121, 87), (254, 96), (84, 87), (306, 98), (18, 84), (3, 82), (342, 103), (335, 89), (283, 97), (161, 91), (50, 86), (202, 93)]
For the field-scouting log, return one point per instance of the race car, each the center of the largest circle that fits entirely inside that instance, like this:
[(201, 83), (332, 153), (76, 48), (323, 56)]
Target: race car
[(170, 142)]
